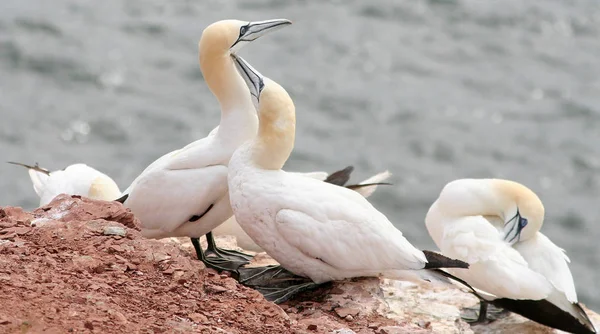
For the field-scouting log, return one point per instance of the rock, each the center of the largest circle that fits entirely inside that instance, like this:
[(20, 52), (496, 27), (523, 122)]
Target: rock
[(197, 317), (114, 230), (69, 275), (344, 331), (89, 325), (400, 330), (85, 263), (344, 312), (68, 208), (119, 317)]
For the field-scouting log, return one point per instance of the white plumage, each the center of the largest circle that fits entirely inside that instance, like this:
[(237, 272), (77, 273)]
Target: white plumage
[(184, 192), (315, 229), (474, 220), (312, 228), (76, 179), (231, 226)]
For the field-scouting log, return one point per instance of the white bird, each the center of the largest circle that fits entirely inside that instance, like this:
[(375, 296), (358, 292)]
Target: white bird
[(76, 179), (494, 225), (184, 193), (231, 226), (312, 228)]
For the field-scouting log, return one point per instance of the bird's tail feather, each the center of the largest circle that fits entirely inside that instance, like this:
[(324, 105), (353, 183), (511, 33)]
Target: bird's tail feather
[(340, 177), (36, 168), (37, 174), (122, 199), (368, 186), (436, 260), (570, 317), (555, 311)]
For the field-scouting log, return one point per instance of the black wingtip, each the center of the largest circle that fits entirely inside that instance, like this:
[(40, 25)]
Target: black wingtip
[(548, 314), (122, 199), (435, 260), (363, 185), (341, 177)]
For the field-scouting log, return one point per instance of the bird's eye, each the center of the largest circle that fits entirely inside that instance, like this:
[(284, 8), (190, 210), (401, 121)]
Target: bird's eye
[(243, 30), (523, 222), (261, 85)]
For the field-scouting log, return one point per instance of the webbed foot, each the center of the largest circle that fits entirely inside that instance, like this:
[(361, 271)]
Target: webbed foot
[(228, 254), (215, 262), (274, 282)]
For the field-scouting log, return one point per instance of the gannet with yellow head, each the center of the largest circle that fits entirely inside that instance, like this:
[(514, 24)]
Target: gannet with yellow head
[(312, 228), (184, 193), (76, 179), (494, 225)]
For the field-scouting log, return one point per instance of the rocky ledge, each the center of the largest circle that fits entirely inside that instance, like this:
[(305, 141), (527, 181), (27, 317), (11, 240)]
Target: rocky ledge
[(79, 265)]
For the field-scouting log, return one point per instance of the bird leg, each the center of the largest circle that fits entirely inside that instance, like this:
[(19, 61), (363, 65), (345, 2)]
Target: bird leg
[(274, 282), (225, 253), (215, 262), (484, 315)]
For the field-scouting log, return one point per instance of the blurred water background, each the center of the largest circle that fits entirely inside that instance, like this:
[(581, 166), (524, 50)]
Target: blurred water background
[(431, 90)]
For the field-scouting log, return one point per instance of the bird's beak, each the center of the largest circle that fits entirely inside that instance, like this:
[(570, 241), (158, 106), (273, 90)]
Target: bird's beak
[(513, 228), (254, 80), (254, 30)]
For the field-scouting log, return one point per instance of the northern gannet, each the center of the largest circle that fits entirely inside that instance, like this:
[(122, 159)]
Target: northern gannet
[(365, 188), (184, 193), (313, 229), (76, 179), (494, 225)]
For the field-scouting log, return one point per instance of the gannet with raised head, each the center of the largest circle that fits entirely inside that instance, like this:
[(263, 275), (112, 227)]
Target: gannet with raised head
[(365, 188), (184, 193), (494, 225), (76, 179), (312, 228)]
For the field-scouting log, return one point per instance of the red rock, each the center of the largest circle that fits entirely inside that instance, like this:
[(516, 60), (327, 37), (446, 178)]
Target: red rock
[(198, 317), (8, 235), (343, 312), (89, 325), (9, 223), (119, 317), (214, 289), (336, 291), (68, 208)]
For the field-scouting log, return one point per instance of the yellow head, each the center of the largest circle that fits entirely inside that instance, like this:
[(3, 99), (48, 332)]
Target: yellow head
[(276, 115), (229, 36), (104, 188), (219, 40), (527, 210), (517, 206)]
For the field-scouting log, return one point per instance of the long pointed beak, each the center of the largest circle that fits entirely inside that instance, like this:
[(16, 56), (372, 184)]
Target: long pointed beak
[(513, 228), (254, 30), (254, 80)]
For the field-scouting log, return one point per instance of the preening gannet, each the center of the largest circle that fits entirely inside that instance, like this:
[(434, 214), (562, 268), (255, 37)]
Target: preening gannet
[(312, 228), (184, 193), (365, 188), (76, 179), (494, 226)]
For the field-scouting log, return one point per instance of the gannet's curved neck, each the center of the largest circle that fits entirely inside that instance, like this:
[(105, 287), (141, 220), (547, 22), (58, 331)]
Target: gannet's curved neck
[(471, 197), (492, 197), (277, 130), (238, 116)]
